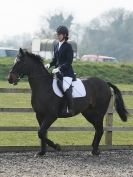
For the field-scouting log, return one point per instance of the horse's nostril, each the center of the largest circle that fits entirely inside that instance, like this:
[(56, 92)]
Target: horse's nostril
[(10, 80)]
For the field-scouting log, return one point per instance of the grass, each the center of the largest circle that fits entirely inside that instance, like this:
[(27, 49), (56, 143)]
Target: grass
[(116, 72), (28, 119)]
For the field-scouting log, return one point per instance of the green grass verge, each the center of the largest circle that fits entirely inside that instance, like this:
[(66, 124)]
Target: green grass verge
[(113, 72)]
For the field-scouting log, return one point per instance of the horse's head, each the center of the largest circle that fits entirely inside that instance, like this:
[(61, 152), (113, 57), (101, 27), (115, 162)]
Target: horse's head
[(26, 64), (18, 69)]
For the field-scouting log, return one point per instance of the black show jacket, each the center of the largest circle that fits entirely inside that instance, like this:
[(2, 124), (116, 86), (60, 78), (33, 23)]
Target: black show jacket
[(63, 59)]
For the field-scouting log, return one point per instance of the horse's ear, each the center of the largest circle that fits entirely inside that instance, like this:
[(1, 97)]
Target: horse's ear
[(21, 51)]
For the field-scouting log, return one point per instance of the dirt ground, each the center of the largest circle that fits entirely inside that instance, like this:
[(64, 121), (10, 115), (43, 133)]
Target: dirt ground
[(117, 163)]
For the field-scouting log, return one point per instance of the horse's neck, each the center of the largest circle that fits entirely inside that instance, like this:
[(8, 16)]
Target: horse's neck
[(40, 80)]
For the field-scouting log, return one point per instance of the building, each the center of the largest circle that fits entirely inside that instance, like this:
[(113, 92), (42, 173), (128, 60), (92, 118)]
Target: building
[(45, 47), (8, 52)]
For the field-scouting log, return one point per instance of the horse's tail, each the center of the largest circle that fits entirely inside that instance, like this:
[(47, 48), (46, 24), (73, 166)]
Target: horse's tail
[(119, 103)]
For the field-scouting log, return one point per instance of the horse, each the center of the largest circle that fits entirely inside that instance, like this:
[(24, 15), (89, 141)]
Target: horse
[(47, 105)]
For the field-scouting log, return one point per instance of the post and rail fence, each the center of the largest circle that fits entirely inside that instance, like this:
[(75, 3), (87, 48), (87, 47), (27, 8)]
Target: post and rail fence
[(109, 128)]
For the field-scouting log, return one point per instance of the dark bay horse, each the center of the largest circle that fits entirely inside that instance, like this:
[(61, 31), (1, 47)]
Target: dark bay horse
[(47, 105)]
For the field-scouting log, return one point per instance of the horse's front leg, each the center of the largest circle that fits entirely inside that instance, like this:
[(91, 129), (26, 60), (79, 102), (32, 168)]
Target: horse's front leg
[(45, 123), (43, 142)]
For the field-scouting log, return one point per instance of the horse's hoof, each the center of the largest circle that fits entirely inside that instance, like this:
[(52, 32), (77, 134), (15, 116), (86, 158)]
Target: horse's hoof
[(58, 148), (39, 154), (96, 152)]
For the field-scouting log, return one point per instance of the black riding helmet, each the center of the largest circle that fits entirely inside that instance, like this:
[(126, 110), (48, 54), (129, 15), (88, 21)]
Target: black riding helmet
[(62, 30)]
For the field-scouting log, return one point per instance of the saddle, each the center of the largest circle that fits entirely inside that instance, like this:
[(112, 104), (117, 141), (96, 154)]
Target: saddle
[(78, 89)]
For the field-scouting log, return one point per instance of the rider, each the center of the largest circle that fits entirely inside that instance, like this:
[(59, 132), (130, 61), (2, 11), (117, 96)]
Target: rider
[(62, 60)]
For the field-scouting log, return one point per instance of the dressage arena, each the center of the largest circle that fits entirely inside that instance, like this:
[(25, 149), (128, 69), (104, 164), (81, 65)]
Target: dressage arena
[(117, 163)]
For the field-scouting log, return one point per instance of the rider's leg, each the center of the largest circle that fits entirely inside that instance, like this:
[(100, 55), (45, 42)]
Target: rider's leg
[(68, 95), (67, 81)]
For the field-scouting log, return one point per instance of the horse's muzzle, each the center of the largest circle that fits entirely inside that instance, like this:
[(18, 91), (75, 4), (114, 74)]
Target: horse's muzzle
[(13, 78)]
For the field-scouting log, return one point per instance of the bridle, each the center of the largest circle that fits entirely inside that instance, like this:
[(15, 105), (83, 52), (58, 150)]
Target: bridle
[(19, 72)]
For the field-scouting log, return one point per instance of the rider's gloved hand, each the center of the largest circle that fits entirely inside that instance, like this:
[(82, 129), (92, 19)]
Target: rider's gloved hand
[(56, 70), (47, 66)]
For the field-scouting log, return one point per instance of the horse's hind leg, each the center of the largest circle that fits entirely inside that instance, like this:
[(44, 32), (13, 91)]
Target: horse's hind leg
[(97, 138), (97, 121)]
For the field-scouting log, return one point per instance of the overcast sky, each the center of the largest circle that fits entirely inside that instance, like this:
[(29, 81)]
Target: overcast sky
[(19, 16)]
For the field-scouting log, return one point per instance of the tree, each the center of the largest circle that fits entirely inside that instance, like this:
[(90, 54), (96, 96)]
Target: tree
[(18, 41), (58, 19), (111, 34), (53, 22)]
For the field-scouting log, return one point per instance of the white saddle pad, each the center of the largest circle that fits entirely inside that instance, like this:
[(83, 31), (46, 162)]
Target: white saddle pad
[(78, 89)]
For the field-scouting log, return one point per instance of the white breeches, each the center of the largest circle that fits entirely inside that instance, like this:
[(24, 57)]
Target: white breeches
[(67, 81)]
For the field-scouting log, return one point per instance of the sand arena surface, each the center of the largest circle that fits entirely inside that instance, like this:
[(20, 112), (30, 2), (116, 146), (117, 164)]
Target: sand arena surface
[(117, 163)]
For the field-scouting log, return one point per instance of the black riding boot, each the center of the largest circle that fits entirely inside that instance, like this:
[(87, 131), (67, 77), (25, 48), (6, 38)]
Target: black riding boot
[(68, 96)]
